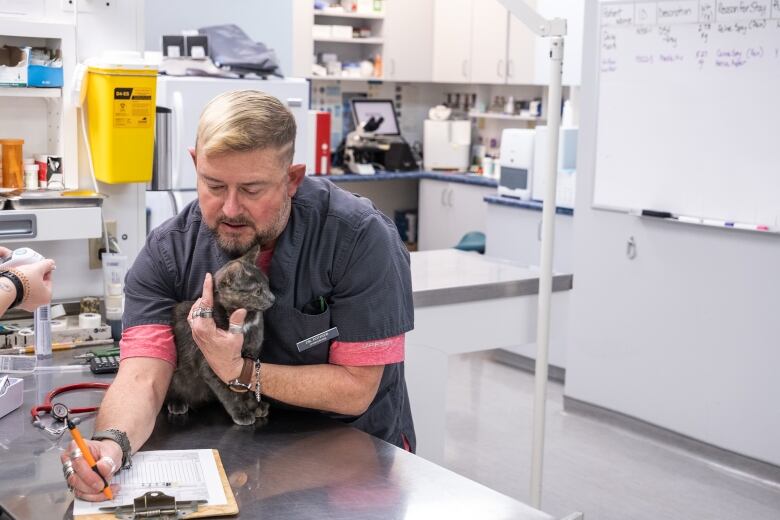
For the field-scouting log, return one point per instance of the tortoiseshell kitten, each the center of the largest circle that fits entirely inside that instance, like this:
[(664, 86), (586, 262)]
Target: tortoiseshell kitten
[(239, 284)]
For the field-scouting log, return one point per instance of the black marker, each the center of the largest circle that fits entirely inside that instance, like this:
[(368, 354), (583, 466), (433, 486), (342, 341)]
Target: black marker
[(656, 214)]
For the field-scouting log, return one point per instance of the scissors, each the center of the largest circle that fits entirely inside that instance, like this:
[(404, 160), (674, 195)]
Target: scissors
[(59, 411)]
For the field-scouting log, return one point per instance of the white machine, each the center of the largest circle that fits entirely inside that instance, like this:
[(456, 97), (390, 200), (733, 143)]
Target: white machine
[(517, 163), (446, 145), (567, 166), (186, 96)]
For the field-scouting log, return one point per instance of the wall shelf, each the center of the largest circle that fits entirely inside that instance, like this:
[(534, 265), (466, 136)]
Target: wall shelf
[(344, 14), (496, 115), (364, 41), (340, 78), (31, 92)]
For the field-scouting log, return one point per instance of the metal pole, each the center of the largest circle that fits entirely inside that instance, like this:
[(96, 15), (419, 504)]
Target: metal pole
[(545, 276)]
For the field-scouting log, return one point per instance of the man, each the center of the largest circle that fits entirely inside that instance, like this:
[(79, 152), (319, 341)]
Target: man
[(333, 260)]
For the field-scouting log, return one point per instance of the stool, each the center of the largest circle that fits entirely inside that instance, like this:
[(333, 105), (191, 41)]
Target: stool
[(472, 241)]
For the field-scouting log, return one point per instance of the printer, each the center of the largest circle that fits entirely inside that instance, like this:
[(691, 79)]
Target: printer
[(376, 143)]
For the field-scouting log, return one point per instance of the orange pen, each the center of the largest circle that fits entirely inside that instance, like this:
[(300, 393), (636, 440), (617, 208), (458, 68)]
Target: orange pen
[(76, 434)]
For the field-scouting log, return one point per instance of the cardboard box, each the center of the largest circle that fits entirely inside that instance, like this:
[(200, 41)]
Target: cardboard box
[(14, 62), (321, 31)]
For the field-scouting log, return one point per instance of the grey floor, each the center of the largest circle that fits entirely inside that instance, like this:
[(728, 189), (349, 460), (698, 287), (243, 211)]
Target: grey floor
[(605, 471)]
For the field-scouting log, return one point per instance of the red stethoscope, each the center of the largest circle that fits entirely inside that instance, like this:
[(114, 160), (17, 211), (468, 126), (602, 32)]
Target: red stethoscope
[(59, 411)]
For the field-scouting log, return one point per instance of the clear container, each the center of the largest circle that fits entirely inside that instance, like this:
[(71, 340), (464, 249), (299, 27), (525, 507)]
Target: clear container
[(31, 176), (13, 169)]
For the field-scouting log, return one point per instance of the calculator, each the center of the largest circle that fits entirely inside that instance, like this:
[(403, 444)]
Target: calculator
[(104, 364)]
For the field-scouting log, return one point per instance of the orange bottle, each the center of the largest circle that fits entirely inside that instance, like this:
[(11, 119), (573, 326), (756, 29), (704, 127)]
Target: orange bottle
[(13, 165), (378, 66)]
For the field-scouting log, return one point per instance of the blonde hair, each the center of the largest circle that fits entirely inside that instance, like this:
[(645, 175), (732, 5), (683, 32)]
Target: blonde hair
[(246, 120)]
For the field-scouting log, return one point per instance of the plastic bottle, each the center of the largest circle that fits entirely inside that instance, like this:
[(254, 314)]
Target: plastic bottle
[(378, 66), (42, 317), (31, 176), (13, 169)]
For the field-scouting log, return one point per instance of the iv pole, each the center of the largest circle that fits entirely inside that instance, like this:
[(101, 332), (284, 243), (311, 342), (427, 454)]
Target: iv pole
[(554, 29)]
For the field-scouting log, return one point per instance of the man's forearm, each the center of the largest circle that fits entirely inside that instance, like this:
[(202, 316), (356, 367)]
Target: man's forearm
[(332, 388), (134, 398)]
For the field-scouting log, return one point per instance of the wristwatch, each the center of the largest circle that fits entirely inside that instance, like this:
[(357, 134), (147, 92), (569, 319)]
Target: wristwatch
[(243, 383), (119, 437)]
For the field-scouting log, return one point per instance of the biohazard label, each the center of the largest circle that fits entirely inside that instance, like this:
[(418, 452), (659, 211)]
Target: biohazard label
[(133, 107)]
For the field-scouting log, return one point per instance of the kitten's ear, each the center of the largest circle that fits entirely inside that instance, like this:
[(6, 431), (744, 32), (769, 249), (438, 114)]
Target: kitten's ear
[(252, 255)]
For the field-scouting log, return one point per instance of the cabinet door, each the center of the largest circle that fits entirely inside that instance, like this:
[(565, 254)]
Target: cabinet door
[(408, 50), (433, 216), (521, 51), (451, 40), (468, 210), (488, 42)]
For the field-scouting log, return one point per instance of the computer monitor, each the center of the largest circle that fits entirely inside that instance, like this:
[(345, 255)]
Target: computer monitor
[(381, 110)]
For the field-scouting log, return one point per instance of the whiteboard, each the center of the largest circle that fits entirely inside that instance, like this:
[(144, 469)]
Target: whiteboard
[(689, 108)]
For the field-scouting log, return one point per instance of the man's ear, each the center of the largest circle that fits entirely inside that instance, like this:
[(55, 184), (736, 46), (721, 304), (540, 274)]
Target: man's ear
[(295, 175), (194, 156)]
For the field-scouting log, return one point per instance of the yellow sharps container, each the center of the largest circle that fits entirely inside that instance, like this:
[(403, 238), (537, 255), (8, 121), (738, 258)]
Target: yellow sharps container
[(120, 109)]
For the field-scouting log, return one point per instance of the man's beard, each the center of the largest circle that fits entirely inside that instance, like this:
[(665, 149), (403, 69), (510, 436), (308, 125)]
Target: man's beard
[(235, 246)]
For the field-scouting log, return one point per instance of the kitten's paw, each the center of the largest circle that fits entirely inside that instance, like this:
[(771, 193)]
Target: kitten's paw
[(178, 408), (243, 418), (262, 409)]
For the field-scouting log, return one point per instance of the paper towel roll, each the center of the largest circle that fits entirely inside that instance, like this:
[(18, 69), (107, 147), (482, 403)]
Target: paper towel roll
[(58, 325), (89, 320)]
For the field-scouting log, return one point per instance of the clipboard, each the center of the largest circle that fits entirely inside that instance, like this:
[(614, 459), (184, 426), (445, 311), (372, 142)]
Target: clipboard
[(230, 508)]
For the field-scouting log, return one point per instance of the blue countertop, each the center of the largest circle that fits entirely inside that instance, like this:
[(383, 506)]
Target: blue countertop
[(525, 204), (463, 178)]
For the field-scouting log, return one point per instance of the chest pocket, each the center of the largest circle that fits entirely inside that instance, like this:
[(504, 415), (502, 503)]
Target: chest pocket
[(285, 327)]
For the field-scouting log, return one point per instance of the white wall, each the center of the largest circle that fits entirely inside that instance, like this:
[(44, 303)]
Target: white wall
[(267, 21), (686, 335)]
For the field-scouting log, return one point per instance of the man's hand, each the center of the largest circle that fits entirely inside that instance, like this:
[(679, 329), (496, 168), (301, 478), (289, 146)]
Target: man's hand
[(85, 483), (222, 349)]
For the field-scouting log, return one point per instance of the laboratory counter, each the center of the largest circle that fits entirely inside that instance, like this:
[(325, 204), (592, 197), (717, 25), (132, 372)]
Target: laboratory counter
[(297, 465)]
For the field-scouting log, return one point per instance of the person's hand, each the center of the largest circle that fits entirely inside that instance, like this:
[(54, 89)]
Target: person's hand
[(39, 276), (84, 483), (5, 252), (221, 348)]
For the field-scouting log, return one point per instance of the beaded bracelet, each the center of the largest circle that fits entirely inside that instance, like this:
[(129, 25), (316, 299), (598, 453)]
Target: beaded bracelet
[(257, 380), (21, 283)]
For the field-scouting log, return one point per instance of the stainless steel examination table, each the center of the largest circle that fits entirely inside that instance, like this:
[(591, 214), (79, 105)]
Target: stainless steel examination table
[(297, 465)]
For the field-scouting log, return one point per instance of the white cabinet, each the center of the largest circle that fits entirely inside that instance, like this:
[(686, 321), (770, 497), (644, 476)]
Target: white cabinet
[(515, 234), (488, 42), (452, 41), (490, 47), (408, 50), (449, 210)]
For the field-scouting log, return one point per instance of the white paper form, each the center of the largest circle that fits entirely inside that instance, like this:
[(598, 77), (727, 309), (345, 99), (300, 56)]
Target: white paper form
[(184, 474)]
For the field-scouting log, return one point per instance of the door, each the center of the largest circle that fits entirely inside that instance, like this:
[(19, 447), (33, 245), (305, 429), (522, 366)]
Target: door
[(488, 42), (521, 51), (451, 40), (408, 49)]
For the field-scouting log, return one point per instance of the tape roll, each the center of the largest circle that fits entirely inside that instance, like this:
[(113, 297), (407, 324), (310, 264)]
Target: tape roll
[(26, 332), (90, 304), (114, 289), (58, 325), (89, 320), (57, 311)]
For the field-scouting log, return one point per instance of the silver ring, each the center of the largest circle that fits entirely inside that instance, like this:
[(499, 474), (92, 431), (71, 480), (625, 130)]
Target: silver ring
[(203, 312), (235, 329), (67, 469), (75, 454)]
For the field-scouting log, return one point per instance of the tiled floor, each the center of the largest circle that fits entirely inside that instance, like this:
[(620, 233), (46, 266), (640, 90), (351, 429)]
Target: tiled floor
[(607, 472)]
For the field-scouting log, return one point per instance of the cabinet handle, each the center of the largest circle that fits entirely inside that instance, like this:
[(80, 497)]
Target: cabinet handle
[(539, 232), (443, 193), (449, 198), (499, 66), (465, 68), (392, 67), (511, 69)]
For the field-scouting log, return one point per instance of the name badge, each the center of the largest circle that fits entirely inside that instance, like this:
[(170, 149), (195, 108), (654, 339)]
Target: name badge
[(308, 343)]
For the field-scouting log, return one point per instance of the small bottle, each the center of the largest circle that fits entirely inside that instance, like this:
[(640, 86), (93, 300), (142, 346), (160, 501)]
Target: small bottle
[(31, 176), (42, 317), (378, 66)]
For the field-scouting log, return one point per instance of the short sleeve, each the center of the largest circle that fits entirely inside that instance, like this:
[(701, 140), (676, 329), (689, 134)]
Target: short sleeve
[(149, 288), (372, 293)]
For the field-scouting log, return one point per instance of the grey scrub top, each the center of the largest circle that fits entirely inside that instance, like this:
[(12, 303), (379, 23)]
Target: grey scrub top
[(336, 245)]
